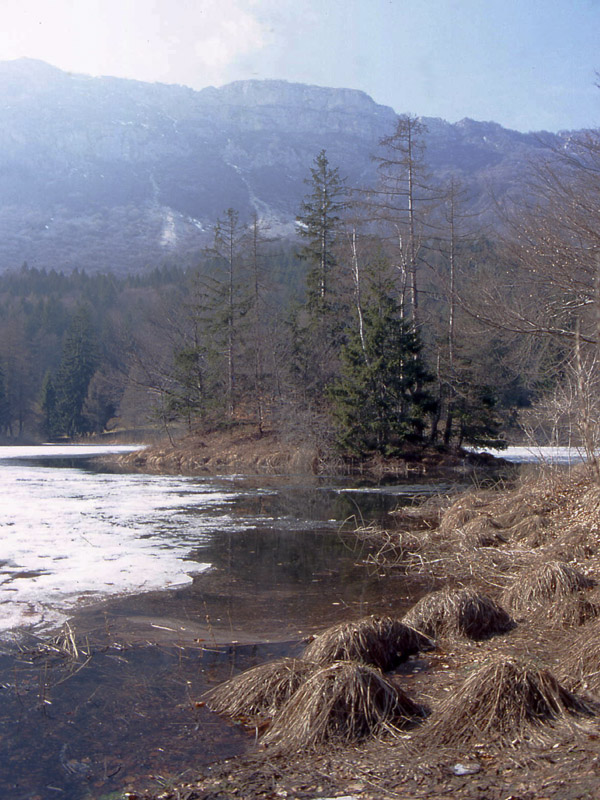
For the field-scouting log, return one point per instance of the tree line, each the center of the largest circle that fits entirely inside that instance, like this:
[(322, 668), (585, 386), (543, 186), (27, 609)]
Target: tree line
[(370, 352), (393, 322)]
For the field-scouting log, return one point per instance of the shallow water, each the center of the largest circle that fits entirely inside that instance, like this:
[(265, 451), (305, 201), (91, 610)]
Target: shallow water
[(171, 584), (87, 728)]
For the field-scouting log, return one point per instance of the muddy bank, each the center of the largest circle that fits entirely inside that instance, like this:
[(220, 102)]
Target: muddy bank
[(242, 450), (534, 549)]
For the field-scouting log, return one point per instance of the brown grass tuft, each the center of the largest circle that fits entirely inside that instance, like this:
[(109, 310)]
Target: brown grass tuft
[(469, 506), (480, 532), (343, 702), (458, 612), (392, 548), (522, 513), (531, 530), (543, 583), (424, 516), (504, 700), (581, 665), (383, 642), (261, 690), (572, 612)]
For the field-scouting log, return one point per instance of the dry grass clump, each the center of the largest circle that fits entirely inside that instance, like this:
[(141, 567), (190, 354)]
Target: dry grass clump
[(576, 542), (503, 700), (342, 702), (458, 612), (581, 665), (485, 530), (591, 499), (261, 690), (383, 642), (572, 612), (531, 530), (522, 513), (481, 532), (543, 583), (468, 507), (426, 515), (389, 548)]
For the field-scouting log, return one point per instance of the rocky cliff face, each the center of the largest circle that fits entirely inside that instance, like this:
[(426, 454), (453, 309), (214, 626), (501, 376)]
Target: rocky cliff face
[(104, 173)]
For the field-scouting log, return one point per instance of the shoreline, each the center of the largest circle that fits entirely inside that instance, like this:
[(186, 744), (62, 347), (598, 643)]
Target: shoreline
[(535, 522), (242, 451)]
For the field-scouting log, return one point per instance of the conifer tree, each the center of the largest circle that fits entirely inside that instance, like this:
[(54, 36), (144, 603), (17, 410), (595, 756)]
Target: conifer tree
[(478, 421), (316, 328), (401, 201), (318, 224), (78, 364), (379, 401), (48, 406), (4, 404)]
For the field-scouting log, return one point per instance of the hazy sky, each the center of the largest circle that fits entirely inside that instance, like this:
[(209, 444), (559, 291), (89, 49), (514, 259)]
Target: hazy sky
[(528, 64)]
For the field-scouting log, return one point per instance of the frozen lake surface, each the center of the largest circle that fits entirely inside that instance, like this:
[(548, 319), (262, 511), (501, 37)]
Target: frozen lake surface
[(70, 535), (244, 568), (537, 454)]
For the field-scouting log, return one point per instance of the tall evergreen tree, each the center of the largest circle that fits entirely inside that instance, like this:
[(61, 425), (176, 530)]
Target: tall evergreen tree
[(78, 364), (316, 327), (318, 224), (379, 401), (229, 302), (48, 406), (256, 348), (4, 404)]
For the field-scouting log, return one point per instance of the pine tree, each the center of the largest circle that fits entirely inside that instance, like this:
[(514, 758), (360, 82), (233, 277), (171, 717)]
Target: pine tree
[(318, 224), (257, 345), (475, 411), (317, 327), (48, 406), (208, 342), (4, 404), (380, 402), (78, 364), (226, 244), (188, 392)]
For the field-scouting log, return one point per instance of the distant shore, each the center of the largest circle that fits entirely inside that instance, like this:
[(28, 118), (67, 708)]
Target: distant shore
[(243, 450)]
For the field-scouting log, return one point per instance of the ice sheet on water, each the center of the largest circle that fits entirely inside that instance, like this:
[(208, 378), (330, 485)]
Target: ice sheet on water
[(69, 536), (539, 454), (64, 450)]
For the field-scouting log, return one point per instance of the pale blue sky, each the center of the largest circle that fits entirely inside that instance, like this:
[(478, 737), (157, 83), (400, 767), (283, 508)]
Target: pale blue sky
[(527, 64)]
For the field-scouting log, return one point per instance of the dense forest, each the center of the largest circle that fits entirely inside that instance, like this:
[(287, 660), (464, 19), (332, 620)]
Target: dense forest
[(393, 321)]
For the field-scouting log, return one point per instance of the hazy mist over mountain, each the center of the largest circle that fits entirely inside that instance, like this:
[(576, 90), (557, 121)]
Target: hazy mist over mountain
[(113, 174)]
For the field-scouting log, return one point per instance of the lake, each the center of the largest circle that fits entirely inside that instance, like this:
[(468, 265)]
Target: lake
[(170, 585)]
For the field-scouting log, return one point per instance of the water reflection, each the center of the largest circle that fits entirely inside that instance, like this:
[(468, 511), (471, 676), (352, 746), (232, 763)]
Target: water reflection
[(77, 733), (265, 563)]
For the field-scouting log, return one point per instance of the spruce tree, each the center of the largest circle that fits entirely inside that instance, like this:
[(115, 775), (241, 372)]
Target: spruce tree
[(78, 364), (380, 401), (318, 224), (48, 406), (402, 201), (4, 404), (317, 327)]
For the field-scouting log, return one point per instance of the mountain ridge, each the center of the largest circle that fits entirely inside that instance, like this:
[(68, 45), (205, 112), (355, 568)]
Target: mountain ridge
[(116, 174)]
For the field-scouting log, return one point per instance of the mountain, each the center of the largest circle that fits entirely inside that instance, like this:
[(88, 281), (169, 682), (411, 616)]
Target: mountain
[(113, 174)]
